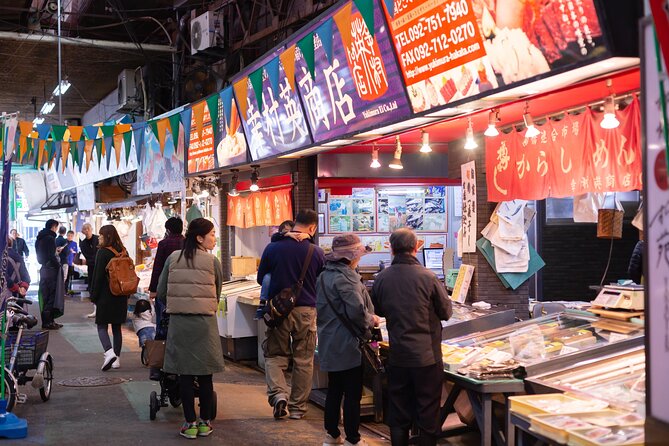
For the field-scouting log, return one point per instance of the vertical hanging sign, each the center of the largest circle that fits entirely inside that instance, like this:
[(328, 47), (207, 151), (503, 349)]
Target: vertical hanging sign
[(468, 231)]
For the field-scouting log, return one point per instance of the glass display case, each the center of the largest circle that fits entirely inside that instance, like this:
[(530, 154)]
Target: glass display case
[(619, 379), (544, 344)]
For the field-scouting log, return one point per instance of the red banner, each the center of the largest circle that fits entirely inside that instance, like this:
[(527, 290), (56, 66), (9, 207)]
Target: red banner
[(569, 157), (269, 208)]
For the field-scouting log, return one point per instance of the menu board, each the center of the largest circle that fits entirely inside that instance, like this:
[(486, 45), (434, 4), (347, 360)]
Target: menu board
[(417, 210), (453, 49), (201, 147), (360, 86), (230, 141), (280, 126)]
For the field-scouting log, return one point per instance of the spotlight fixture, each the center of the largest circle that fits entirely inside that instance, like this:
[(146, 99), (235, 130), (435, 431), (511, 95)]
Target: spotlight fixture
[(425, 148), (233, 183), (610, 120), (396, 162), (493, 119), (375, 158), (470, 143), (254, 179), (47, 108), (532, 131), (62, 88)]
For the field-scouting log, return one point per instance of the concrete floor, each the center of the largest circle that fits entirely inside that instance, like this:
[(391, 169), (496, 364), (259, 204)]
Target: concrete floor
[(119, 414)]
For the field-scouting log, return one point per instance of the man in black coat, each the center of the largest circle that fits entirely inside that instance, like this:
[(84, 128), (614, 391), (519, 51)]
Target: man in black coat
[(89, 248), (414, 303), (45, 247), (18, 244)]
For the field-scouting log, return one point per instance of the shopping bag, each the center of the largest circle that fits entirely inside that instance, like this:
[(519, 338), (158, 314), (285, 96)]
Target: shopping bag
[(154, 353), (586, 207)]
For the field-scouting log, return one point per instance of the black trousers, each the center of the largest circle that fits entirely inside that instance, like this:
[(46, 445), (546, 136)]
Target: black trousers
[(48, 280), (346, 384), (187, 391), (414, 394)]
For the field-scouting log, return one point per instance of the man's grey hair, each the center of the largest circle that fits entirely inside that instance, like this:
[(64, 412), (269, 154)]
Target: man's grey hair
[(86, 225), (403, 241)]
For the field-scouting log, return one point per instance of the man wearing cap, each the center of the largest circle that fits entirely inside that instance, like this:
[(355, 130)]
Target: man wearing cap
[(341, 295), (414, 303)]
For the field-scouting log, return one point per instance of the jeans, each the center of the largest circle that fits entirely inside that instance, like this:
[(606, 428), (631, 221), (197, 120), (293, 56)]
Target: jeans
[(146, 334), (346, 384), (103, 334), (187, 391), (294, 339)]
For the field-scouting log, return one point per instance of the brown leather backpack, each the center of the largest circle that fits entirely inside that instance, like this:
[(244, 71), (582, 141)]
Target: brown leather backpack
[(123, 280)]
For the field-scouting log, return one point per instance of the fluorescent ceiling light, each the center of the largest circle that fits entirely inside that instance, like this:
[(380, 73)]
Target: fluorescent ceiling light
[(47, 108), (38, 120), (62, 89)]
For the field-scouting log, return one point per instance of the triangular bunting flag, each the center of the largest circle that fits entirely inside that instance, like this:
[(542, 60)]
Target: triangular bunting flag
[(226, 99), (153, 124), (25, 128), (107, 152), (88, 151), (390, 7), (107, 130), (138, 133), (98, 150), (127, 141), (174, 121), (58, 132), (185, 121), (288, 62), (256, 84), (29, 151), (366, 8), (40, 152), (214, 113), (118, 148), (162, 125), (65, 153), (272, 69), (325, 34), (50, 153), (343, 21), (78, 153), (241, 93), (43, 131), (198, 117), (306, 46), (91, 131), (76, 131)]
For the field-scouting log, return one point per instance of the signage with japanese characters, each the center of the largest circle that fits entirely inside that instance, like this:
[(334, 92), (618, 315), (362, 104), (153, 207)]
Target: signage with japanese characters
[(569, 157), (453, 49), (201, 146), (230, 141), (358, 86), (267, 208), (467, 234)]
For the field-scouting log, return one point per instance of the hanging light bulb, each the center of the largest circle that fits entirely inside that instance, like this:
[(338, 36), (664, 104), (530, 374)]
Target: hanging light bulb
[(425, 148), (375, 158), (532, 131), (396, 162), (493, 119), (233, 183), (254, 179), (470, 143), (610, 121)]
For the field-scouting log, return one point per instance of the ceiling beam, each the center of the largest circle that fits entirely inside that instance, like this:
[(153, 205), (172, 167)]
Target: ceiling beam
[(47, 38)]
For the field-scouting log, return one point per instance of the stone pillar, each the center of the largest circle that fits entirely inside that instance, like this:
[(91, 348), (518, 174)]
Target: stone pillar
[(304, 195), (225, 236)]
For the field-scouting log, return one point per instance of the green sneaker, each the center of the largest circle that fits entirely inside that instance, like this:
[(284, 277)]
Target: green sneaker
[(204, 428), (189, 430)]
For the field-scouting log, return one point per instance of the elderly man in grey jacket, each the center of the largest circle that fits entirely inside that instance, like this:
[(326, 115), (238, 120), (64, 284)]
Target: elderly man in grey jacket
[(345, 314), (414, 303)]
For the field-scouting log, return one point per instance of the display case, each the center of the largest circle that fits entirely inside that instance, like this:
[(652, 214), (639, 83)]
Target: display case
[(618, 379), (236, 326), (545, 344)]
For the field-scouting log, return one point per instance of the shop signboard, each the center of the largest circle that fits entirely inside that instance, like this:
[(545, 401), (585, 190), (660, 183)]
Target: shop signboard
[(160, 172), (468, 231), (230, 141), (450, 50), (358, 86), (280, 126), (201, 140), (570, 157)]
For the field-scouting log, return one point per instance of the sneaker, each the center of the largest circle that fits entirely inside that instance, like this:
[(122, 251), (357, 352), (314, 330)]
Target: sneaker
[(116, 364), (360, 442), (109, 360), (332, 441), (204, 428), (189, 430), (296, 415), (280, 409)]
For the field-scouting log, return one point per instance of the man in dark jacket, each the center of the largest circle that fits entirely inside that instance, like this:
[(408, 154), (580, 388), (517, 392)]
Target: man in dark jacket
[(296, 336), (18, 244), (635, 267), (414, 303), (45, 247), (16, 274)]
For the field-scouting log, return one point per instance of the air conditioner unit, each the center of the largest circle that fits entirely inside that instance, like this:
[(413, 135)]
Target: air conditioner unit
[(203, 32), (127, 90)]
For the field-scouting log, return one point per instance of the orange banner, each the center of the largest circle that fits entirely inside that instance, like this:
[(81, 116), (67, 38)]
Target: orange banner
[(287, 59), (268, 208)]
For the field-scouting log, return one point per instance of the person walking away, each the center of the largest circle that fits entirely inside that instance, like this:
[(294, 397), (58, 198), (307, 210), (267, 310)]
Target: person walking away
[(295, 337), (16, 274), (18, 244), (110, 309), (61, 249), (414, 303), (190, 285), (45, 247), (341, 294), (72, 250), (89, 248)]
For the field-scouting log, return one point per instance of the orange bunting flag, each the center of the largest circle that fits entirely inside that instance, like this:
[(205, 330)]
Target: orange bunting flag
[(76, 132), (25, 128), (65, 153), (241, 88), (88, 151), (162, 131), (41, 152), (343, 21), (118, 147), (288, 61), (198, 118)]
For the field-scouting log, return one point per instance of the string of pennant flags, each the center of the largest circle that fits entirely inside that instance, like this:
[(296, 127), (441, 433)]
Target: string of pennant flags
[(50, 144)]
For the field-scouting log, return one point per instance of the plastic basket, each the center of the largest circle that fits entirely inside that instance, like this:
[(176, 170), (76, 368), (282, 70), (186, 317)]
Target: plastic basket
[(33, 345)]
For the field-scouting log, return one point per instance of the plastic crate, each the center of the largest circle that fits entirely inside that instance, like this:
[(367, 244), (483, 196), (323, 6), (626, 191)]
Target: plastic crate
[(33, 345)]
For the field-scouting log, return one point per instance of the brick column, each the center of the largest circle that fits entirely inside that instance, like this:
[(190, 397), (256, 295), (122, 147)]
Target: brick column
[(486, 285), (226, 242), (304, 194)]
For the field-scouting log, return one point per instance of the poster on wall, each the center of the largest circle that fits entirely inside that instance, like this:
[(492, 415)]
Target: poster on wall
[(201, 146), (420, 210), (230, 141), (468, 231), (453, 49), (160, 172), (358, 86)]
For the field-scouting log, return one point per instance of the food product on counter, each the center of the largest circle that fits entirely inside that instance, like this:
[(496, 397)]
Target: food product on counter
[(609, 436)]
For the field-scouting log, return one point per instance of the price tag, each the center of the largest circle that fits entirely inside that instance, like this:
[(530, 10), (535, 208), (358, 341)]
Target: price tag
[(567, 349), (615, 337)]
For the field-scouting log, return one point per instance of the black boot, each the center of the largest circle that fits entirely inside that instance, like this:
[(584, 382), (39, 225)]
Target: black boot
[(399, 436), (427, 440)]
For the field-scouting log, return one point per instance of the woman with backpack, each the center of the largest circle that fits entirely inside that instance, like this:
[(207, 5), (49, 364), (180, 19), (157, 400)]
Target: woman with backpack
[(190, 285), (111, 309)]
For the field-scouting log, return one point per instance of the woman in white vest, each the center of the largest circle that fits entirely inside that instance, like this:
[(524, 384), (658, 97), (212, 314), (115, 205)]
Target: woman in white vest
[(189, 286)]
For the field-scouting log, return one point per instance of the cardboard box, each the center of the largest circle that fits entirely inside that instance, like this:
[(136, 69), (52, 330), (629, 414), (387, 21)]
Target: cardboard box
[(243, 266)]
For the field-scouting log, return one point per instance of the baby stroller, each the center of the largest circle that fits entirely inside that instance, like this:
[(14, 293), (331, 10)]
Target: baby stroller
[(169, 383)]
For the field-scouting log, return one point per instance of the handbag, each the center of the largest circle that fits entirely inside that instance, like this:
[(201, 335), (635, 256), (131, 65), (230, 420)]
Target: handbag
[(154, 353), (279, 307), (369, 349)]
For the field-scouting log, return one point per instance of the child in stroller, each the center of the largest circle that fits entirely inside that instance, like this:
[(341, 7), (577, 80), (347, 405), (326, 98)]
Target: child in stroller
[(142, 321)]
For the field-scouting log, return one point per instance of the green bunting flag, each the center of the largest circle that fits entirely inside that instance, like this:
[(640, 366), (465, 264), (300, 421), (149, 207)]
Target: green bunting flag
[(212, 104), (175, 120), (256, 83), (306, 46), (154, 127), (366, 8), (58, 132), (127, 141), (98, 149)]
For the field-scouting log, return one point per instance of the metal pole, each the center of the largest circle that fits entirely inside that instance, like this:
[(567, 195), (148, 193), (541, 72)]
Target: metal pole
[(60, 74)]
